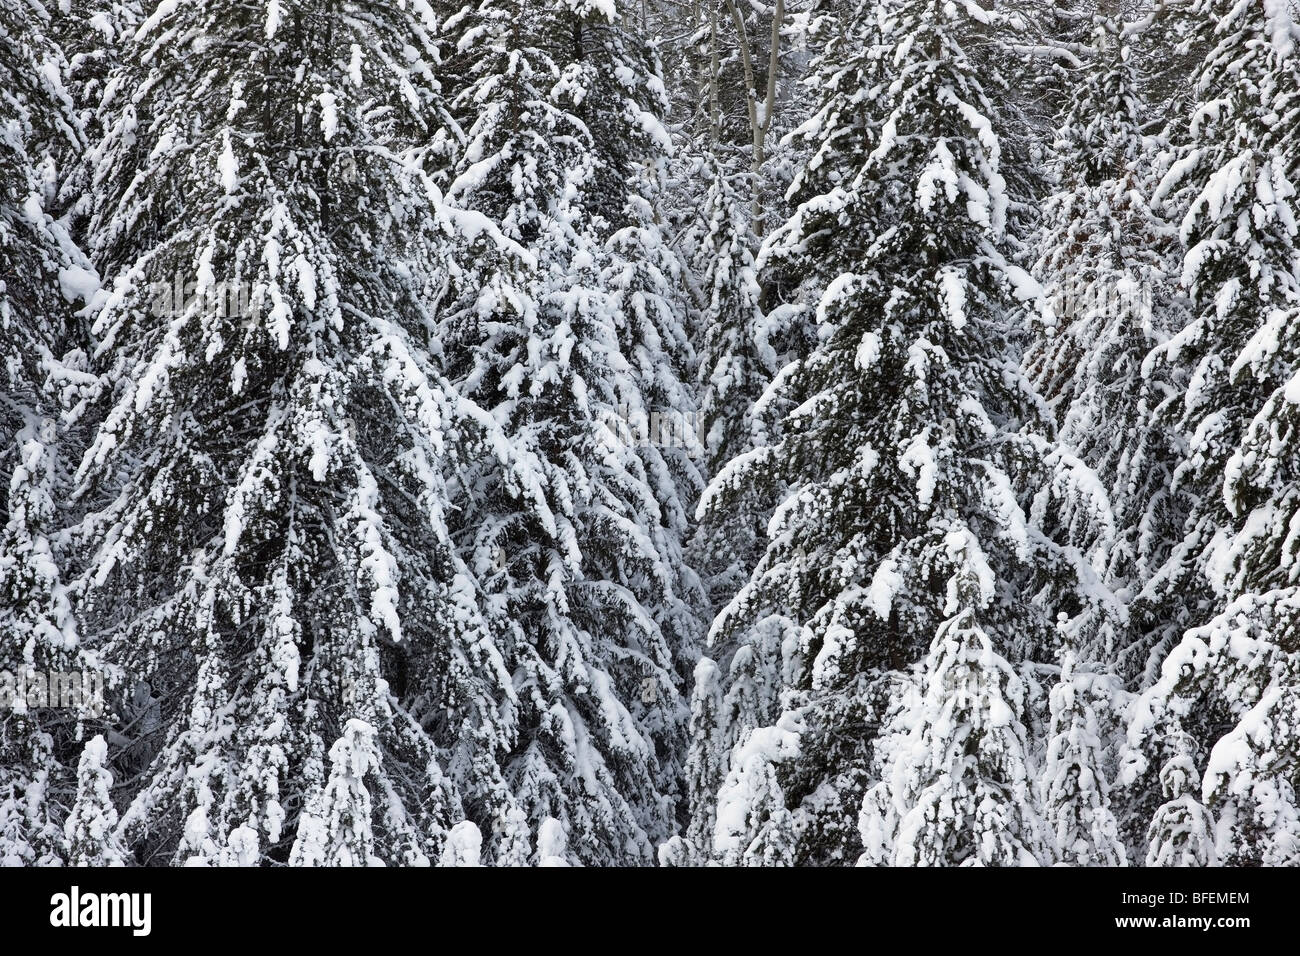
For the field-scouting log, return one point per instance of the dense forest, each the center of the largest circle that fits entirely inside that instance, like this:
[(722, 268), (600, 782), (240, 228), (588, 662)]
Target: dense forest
[(635, 432)]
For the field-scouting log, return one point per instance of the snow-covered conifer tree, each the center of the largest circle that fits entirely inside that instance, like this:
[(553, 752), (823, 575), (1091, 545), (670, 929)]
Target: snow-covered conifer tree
[(956, 790), (1102, 263), (909, 429), (90, 827), (1229, 592), (732, 374), (265, 495), (1086, 706), (578, 351), (1182, 831), (551, 844), (336, 829), (464, 846), (43, 277)]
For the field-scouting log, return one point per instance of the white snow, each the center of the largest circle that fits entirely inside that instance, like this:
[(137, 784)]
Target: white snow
[(354, 65), (227, 166), (329, 116)]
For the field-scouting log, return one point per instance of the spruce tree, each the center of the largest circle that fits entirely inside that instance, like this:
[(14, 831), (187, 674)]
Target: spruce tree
[(1228, 592), (43, 278), (1086, 705), (956, 790), (264, 536), (1182, 830), (577, 349), (90, 828), (909, 440), (733, 371), (1102, 266)]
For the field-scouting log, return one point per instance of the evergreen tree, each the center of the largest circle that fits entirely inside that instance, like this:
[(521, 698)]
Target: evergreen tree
[(732, 375), (265, 495), (1086, 704), (464, 844), (1103, 265), (908, 436), (702, 770), (576, 349), (336, 829), (957, 791), (1228, 592), (90, 826), (551, 844), (1182, 830), (43, 275), (724, 709)]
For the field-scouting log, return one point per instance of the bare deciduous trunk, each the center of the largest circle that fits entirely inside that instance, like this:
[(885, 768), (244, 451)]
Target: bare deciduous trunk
[(715, 68), (759, 125)]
